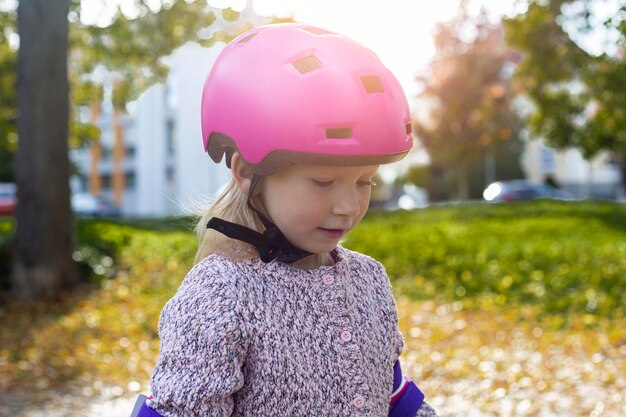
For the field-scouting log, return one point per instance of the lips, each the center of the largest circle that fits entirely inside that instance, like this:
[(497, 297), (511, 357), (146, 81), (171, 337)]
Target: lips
[(333, 233)]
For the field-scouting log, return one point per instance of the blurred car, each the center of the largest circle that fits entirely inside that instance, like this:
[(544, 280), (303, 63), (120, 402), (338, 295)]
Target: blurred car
[(520, 190), (8, 199), (88, 205), (412, 197)]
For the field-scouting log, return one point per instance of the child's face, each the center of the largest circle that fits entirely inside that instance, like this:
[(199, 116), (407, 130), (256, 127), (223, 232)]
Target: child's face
[(315, 206)]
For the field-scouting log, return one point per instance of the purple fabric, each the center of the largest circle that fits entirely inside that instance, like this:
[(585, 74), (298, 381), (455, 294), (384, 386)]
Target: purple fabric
[(145, 411), (408, 404), (397, 376)]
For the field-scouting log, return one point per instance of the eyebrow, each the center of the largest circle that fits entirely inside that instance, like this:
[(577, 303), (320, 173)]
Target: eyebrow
[(329, 172)]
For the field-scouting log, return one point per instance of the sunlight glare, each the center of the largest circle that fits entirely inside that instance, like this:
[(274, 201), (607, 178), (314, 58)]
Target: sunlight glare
[(398, 31), (236, 5)]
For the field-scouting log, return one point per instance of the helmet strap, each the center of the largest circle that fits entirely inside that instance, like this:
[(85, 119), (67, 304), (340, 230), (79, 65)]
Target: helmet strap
[(271, 244), (256, 178)]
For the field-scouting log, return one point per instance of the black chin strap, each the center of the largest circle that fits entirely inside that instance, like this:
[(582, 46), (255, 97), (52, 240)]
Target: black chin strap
[(271, 244)]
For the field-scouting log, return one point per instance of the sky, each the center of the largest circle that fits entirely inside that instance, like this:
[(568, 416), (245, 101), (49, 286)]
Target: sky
[(398, 31)]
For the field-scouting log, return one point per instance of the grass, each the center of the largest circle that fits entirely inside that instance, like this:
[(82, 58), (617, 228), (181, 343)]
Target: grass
[(561, 258), (556, 267)]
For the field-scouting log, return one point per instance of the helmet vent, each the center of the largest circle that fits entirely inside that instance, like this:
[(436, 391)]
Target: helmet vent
[(247, 38), (317, 31), (372, 84), (339, 133), (307, 64), (409, 128)]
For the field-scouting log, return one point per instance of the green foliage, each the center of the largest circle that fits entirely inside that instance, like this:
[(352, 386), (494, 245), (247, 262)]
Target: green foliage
[(419, 175), (512, 260), (82, 93), (230, 15), (470, 98), (130, 48), (104, 332), (133, 47), (558, 257), (8, 103), (578, 97), (7, 228)]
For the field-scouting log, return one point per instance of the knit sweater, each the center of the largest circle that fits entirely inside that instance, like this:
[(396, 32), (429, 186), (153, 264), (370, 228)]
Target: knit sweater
[(245, 338)]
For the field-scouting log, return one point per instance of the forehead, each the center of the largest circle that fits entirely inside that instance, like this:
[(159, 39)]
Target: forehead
[(329, 170)]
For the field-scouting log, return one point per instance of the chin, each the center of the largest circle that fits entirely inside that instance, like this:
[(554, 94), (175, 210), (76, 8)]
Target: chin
[(322, 248), (316, 244)]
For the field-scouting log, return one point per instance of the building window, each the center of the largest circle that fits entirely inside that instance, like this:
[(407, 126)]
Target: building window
[(547, 160), (169, 140), (130, 180), (130, 152), (106, 152), (170, 176), (106, 182)]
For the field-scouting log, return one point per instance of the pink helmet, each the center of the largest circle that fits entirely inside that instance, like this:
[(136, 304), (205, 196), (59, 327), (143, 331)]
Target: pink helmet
[(287, 93)]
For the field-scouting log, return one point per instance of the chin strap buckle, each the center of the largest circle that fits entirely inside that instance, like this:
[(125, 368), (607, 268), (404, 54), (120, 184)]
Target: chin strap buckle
[(271, 244)]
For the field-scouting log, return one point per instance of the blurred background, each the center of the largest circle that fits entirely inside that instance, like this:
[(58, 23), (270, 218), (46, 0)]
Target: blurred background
[(503, 231)]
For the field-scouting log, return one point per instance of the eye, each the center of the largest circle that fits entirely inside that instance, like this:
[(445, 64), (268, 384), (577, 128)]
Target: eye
[(322, 183), (367, 183)]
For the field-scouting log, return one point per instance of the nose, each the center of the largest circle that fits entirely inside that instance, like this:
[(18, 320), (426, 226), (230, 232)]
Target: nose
[(347, 203)]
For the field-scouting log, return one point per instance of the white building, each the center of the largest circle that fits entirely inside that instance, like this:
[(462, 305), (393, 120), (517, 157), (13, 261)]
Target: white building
[(166, 169), (598, 178)]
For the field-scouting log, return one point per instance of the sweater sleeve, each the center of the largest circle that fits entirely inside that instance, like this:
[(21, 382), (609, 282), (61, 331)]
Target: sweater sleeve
[(203, 345), (384, 284), (407, 400), (397, 339)]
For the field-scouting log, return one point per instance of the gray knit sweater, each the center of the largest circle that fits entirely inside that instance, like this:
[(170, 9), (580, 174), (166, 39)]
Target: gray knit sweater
[(245, 338)]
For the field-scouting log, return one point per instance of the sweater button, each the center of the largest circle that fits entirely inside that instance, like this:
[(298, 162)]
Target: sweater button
[(328, 280), (358, 402), (346, 336)]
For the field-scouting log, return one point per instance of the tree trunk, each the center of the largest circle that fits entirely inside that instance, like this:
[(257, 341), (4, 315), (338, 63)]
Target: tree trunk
[(118, 158), (95, 152), (44, 240)]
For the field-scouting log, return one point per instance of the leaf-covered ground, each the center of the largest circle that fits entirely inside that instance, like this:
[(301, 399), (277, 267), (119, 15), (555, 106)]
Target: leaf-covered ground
[(91, 351), (469, 363), (489, 363)]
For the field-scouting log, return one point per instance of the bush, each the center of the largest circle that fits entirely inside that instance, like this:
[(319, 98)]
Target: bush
[(545, 257), (559, 256), (103, 333), (98, 243), (6, 254)]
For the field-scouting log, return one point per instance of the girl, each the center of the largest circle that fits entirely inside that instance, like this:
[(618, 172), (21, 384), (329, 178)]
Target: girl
[(276, 318)]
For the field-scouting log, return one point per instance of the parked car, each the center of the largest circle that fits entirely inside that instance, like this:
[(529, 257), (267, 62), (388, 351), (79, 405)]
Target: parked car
[(8, 199), (519, 190), (88, 205)]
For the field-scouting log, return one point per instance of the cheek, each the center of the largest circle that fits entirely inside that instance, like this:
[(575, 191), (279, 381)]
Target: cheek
[(301, 207), (287, 206), (364, 199), (364, 202)]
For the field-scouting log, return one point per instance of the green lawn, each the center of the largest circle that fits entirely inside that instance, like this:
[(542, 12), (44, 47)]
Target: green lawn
[(558, 257), (554, 266)]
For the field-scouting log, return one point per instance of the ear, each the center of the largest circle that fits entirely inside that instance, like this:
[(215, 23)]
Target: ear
[(241, 173)]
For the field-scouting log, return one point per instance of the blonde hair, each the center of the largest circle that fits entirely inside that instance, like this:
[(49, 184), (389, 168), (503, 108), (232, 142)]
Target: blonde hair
[(231, 205)]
